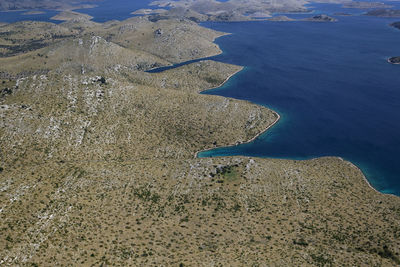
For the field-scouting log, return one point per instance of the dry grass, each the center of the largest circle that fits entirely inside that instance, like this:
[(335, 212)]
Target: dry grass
[(97, 163), (167, 212)]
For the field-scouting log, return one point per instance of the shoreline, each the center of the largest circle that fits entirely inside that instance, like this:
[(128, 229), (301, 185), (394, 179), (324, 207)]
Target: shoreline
[(366, 180), (58, 9), (389, 60), (271, 125), (262, 131), (278, 117), (224, 82), (244, 142), (173, 65)]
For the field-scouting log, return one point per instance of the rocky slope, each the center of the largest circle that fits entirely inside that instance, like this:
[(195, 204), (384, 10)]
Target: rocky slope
[(321, 18), (97, 161)]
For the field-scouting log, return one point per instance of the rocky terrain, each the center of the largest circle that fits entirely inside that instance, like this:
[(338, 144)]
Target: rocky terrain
[(98, 167), (321, 18), (146, 11), (388, 13), (197, 11), (280, 18), (71, 15), (396, 25), (34, 12), (394, 60), (233, 10), (9, 5), (366, 5)]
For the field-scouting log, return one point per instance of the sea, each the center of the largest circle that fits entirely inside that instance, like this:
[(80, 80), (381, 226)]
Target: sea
[(330, 82)]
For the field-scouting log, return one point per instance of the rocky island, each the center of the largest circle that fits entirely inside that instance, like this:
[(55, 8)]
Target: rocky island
[(386, 13), (280, 18), (396, 25), (394, 60), (34, 12), (321, 18), (366, 5), (233, 10), (98, 167), (342, 14), (71, 15), (11, 5)]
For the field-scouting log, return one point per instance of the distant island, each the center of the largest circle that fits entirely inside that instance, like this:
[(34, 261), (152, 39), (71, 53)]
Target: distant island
[(211, 10), (147, 11), (71, 16), (365, 5), (11, 5), (396, 24), (281, 18), (387, 13), (321, 18), (34, 12), (342, 14), (394, 60)]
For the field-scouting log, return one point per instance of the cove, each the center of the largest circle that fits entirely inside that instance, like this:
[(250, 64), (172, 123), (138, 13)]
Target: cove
[(331, 84)]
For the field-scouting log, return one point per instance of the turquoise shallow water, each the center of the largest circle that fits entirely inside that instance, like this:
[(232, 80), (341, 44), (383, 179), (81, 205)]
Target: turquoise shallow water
[(331, 84)]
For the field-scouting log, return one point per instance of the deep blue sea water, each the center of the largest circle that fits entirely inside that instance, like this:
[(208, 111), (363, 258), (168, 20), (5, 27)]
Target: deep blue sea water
[(15, 16), (115, 9), (330, 82), (105, 10)]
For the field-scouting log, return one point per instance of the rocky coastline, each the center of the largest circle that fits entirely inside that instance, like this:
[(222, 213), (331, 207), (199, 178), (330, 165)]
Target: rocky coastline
[(97, 162)]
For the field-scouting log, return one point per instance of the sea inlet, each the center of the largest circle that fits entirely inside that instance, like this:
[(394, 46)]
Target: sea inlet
[(330, 82)]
